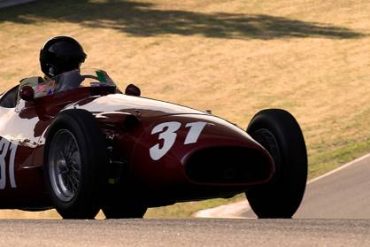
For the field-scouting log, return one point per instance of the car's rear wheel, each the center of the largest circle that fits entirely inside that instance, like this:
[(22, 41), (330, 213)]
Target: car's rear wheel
[(129, 209), (279, 133), (76, 162)]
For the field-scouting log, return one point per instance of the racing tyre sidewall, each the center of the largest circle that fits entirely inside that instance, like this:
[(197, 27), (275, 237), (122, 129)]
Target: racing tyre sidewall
[(280, 134)]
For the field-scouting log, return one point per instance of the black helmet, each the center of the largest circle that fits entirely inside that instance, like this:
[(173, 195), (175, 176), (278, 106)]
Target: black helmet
[(61, 54)]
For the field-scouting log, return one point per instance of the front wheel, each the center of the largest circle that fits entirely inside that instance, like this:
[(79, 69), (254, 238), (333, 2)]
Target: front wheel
[(75, 165), (279, 133)]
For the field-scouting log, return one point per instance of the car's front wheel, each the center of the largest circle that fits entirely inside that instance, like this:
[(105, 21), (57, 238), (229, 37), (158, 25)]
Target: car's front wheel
[(75, 166), (279, 133)]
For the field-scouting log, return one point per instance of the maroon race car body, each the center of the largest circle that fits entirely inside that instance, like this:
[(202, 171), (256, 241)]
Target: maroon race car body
[(154, 153)]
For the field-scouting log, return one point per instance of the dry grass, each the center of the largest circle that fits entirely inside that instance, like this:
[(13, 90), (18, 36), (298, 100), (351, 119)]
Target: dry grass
[(236, 57)]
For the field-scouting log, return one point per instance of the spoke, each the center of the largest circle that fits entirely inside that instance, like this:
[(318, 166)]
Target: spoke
[(64, 186), (63, 170), (69, 148), (75, 169), (75, 183), (59, 156), (76, 163), (66, 168), (70, 184)]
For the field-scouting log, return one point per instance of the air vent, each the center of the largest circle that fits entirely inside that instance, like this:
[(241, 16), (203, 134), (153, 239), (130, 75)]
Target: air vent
[(230, 165)]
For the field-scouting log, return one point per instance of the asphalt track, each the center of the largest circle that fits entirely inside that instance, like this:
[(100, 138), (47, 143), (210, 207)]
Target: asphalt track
[(187, 232), (341, 194)]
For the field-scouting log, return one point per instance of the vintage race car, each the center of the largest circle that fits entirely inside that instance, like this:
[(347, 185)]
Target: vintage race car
[(76, 143)]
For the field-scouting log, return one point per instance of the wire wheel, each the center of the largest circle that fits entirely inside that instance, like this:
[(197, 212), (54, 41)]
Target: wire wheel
[(75, 164), (65, 165)]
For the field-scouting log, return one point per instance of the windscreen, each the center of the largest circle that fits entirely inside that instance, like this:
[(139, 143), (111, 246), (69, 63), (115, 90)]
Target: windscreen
[(71, 80)]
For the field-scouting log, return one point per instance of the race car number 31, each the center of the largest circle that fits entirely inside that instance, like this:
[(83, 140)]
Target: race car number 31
[(168, 133)]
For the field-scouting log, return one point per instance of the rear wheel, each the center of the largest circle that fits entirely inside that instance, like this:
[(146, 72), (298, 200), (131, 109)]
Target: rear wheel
[(122, 202), (75, 165), (279, 133), (124, 210)]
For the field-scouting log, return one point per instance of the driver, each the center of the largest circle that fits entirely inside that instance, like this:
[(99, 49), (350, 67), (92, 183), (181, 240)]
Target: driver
[(59, 55)]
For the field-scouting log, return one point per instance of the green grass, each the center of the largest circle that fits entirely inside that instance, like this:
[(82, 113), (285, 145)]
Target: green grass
[(234, 57)]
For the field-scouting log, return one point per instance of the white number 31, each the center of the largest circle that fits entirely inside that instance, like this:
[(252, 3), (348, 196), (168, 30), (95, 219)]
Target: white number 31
[(167, 133)]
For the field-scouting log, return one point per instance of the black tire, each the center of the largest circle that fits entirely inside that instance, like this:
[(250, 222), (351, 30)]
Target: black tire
[(124, 210), (278, 132), (76, 163)]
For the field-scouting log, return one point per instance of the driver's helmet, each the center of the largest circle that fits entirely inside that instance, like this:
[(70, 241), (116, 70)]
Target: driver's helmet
[(61, 54)]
